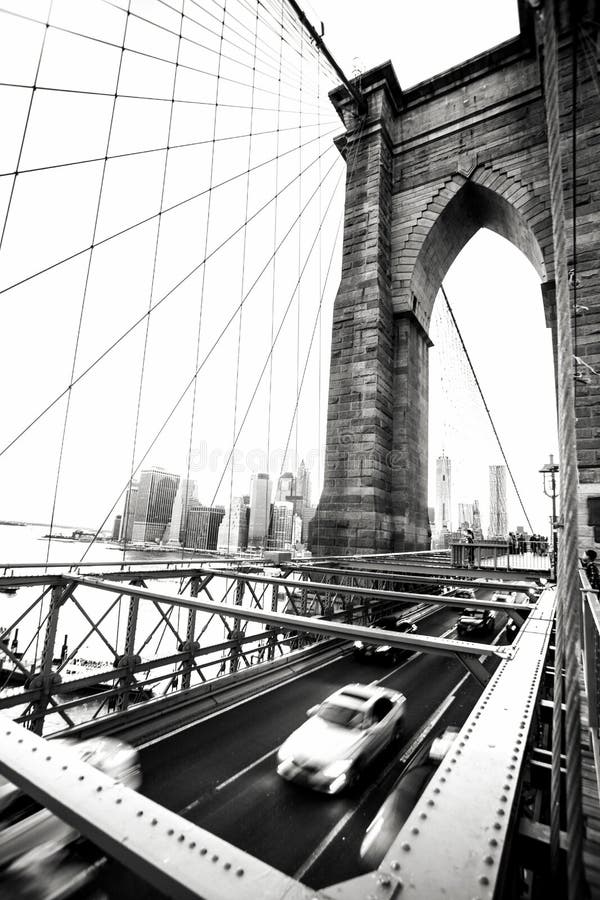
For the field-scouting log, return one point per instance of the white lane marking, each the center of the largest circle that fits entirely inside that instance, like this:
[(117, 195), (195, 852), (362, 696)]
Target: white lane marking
[(224, 709), (405, 753), (410, 659), (324, 844), (247, 768)]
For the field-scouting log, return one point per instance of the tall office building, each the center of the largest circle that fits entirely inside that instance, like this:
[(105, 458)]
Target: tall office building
[(185, 497), (154, 504), (116, 528), (126, 531), (465, 515), (286, 487), (233, 530), (498, 518), (443, 494), (303, 487), (260, 510), (308, 514), (202, 526), (282, 523), (477, 529)]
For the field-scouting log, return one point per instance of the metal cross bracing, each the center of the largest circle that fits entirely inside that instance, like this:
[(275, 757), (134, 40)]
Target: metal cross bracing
[(186, 861), (151, 644)]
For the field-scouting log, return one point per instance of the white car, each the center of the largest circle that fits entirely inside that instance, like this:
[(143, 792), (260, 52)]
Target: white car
[(26, 827), (342, 736)]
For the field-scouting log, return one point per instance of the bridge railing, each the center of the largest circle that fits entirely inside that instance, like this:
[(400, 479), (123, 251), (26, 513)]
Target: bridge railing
[(590, 632), (71, 653), (528, 556)]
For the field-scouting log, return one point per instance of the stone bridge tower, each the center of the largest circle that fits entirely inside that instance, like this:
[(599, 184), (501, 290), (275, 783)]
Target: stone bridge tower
[(426, 169)]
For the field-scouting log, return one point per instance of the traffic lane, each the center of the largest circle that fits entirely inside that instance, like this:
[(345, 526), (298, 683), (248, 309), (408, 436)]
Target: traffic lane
[(282, 823), (340, 857), (258, 811), (184, 766)]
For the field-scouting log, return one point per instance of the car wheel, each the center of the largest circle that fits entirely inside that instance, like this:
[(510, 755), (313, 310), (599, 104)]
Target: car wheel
[(355, 774)]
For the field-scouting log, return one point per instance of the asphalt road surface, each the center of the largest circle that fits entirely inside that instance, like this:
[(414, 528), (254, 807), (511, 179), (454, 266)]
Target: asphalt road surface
[(220, 773)]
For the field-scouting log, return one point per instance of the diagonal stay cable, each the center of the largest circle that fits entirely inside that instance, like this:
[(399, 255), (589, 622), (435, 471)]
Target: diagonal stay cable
[(85, 289), (281, 324), (207, 356), (142, 318), (489, 415), (203, 281), (229, 180), (32, 88), (153, 278), (142, 53), (129, 153)]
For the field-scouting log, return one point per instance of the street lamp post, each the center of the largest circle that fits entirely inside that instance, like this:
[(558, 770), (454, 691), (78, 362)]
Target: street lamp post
[(550, 469)]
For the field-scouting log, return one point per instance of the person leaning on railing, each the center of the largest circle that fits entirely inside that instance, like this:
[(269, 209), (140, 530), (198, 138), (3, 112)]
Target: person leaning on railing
[(591, 569)]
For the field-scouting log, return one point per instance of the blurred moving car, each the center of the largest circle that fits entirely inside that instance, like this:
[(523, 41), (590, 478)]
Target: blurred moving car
[(474, 621), (342, 736), (384, 652), (460, 594), (394, 812), (27, 826)]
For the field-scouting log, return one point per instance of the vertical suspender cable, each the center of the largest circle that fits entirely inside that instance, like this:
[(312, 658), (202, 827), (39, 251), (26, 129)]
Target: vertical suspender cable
[(153, 279), (568, 588), (274, 279), (86, 283), (205, 254), (243, 273)]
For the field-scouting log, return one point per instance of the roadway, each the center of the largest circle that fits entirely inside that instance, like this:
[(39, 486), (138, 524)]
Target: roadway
[(220, 772)]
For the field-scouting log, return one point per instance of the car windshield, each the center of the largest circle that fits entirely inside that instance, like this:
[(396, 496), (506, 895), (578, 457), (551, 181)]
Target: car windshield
[(340, 715)]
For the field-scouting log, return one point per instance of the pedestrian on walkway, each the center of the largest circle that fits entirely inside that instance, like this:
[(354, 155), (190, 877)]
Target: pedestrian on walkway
[(591, 569)]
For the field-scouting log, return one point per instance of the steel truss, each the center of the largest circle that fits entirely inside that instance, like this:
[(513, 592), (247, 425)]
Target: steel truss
[(185, 861), (312, 610)]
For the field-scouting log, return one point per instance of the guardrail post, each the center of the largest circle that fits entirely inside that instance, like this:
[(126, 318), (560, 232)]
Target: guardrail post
[(272, 639), (591, 657), (129, 657), (45, 679), (190, 643), (236, 630)]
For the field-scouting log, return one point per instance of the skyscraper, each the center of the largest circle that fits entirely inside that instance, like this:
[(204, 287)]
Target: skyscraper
[(477, 529), (286, 487), (129, 512), (260, 509), (154, 504), (233, 530), (443, 494), (303, 487), (498, 519), (465, 515), (282, 521), (185, 497), (202, 526)]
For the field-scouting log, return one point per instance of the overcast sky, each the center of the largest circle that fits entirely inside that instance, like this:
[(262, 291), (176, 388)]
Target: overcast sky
[(67, 317)]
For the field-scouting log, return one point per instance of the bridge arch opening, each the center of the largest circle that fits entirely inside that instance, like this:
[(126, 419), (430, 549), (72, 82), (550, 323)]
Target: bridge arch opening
[(494, 290), (473, 207)]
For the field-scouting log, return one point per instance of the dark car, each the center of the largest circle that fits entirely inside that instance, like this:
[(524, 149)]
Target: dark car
[(384, 652), (476, 621)]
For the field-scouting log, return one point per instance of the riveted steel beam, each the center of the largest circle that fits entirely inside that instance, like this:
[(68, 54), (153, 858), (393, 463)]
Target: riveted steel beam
[(476, 787), (421, 642), (180, 859)]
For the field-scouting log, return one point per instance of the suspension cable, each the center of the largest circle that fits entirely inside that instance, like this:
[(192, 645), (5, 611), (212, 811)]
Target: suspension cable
[(205, 359), (161, 300)]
